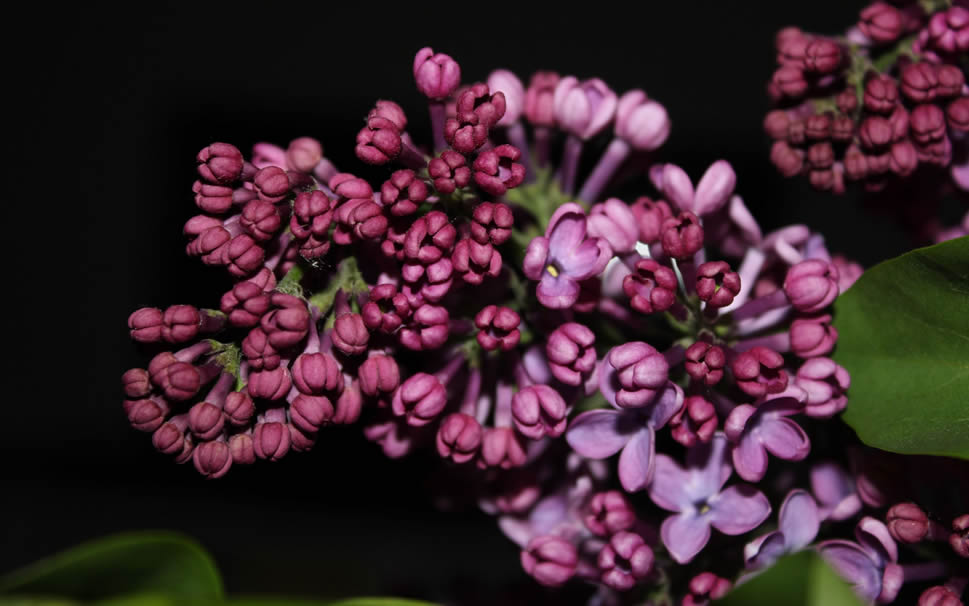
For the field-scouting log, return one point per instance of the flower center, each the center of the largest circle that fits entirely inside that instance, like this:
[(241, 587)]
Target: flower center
[(554, 271)]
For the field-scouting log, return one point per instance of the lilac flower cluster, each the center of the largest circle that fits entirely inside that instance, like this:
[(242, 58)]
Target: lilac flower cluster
[(473, 305), (875, 106)]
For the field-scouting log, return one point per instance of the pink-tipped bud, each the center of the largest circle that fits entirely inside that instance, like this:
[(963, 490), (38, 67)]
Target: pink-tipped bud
[(907, 523), (220, 163), (459, 437), (682, 235), (759, 371), (624, 561), (437, 75), (705, 362), (651, 287), (271, 440), (497, 328), (571, 353), (811, 285), (538, 411), (146, 325), (717, 284), (695, 422), (550, 560), (239, 408), (205, 420), (419, 399), (609, 513), (212, 459)]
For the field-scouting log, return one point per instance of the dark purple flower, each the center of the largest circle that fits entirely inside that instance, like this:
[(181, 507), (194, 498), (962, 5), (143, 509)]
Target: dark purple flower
[(428, 328), (651, 287), (704, 587), (497, 170), (813, 336), (624, 561), (696, 496), (755, 431), (695, 422), (717, 284), (379, 141), (212, 459), (449, 171), (459, 437), (571, 353), (797, 525), (583, 109), (145, 325), (650, 216), (473, 261), (598, 434), (220, 163), (682, 235), (403, 193), (378, 375), (419, 399), (608, 513), (497, 328), (564, 256), (705, 362), (538, 411), (386, 310), (312, 214), (869, 565), (491, 223), (550, 560), (759, 371)]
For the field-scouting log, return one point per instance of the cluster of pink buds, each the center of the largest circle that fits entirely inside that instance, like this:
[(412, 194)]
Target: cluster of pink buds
[(877, 105)]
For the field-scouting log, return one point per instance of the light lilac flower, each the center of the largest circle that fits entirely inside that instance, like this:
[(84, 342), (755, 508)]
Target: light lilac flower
[(712, 192), (564, 256), (695, 494), (584, 108), (755, 431), (798, 524), (835, 491), (870, 564), (597, 434)]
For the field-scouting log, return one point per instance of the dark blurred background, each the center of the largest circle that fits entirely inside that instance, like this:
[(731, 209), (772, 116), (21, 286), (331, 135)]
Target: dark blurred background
[(112, 107)]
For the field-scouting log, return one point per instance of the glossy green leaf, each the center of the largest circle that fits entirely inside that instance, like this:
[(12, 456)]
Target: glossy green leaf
[(150, 569), (904, 337), (802, 579)]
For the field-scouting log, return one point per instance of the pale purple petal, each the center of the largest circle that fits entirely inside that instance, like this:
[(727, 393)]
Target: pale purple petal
[(536, 258), (784, 438), (678, 187), (557, 292), (667, 404), (739, 509), (873, 535), (750, 458), (566, 227), (744, 221), (583, 261), (708, 467), (596, 434), (685, 535), (853, 564), (799, 520), (516, 529), (764, 550), (656, 175), (608, 381), (636, 462), (670, 486), (714, 188), (549, 513)]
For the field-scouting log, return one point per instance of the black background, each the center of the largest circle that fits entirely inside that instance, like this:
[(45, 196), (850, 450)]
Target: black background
[(111, 107)]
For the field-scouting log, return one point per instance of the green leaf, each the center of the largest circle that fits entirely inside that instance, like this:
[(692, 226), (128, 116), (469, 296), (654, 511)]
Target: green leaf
[(159, 567), (802, 579), (904, 337)]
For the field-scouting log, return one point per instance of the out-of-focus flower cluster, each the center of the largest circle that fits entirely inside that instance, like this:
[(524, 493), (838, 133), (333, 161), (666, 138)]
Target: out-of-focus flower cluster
[(882, 105), (472, 304)]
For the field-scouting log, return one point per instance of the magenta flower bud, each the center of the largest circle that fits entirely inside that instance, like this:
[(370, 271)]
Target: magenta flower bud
[(875, 132), (180, 323), (937, 152), (270, 384), (361, 219), (478, 100), (919, 81), (856, 163), (312, 214), (465, 134), (212, 459), (220, 163), (609, 513), (244, 256), (705, 362), (881, 22), (287, 323), (180, 381), (429, 238), (717, 284), (497, 328), (789, 80), (939, 595), (419, 399), (811, 285), (378, 375), (136, 383), (789, 161), (571, 353), (651, 288), (825, 383), (822, 179), (682, 235), (241, 449), (959, 539), (168, 439), (540, 99), (641, 122), (818, 127), (403, 193), (704, 587), (259, 351), (847, 101), (205, 420), (776, 123), (791, 43), (427, 330), (822, 56), (813, 336), (899, 120), (505, 82), (907, 523), (614, 222), (261, 220), (271, 440), (437, 75), (389, 111), (958, 114), (215, 199), (449, 172), (842, 128), (199, 224), (903, 159), (497, 170), (348, 405), (350, 334), (458, 437), (539, 411), (550, 560), (928, 124), (379, 141), (146, 414), (951, 80), (820, 156), (695, 422), (239, 408), (146, 325), (271, 184), (759, 371), (245, 304), (501, 447), (949, 30), (303, 154), (583, 109), (309, 413), (624, 561), (636, 372), (797, 132), (317, 374), (491, 223), (386, 310), (650, 216), (347, 187)]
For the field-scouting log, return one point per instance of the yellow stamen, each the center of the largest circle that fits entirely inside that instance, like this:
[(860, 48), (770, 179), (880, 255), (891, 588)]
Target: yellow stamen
[(552, 270)]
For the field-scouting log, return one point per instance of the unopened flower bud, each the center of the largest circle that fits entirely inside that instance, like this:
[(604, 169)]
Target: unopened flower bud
[(650, 217), (309, 413), (927, 123), (919, 81), (458, 437), (682, 235), (220, 163), (212, 459), (959, 539), (759, 371), (349, 334), (640, 372), (271, 440), (538, 411), (907, 523), (420, 399), (609, 513), (641, 122), (270, 384), (205, 420), (239, 408), (539, 99), (146, 325), (811, 285), (379, 374), (271, 184), (717, 284), (492, 223), (241, 449), (500, 447), (939, 595), (550, 560), (303, 154), (881, 22), (571, 353), (498, 170), (437, 75), (625, 560), (695, 422), (705, 362)]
